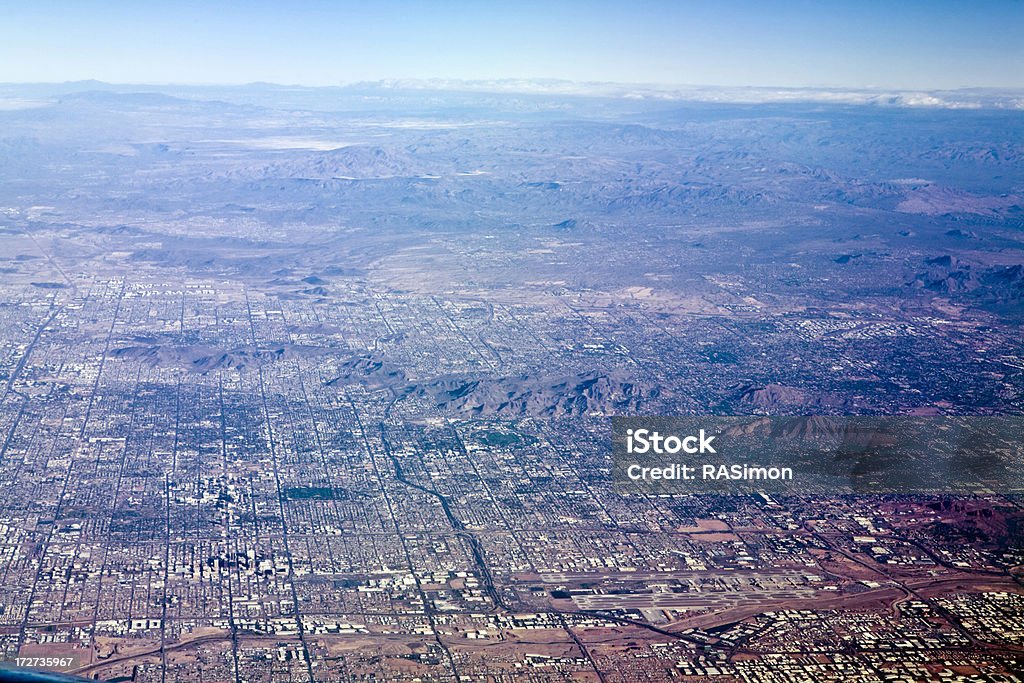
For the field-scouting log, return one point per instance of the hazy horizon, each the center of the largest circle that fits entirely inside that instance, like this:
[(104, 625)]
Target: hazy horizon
[(33, 95), (916, 45)]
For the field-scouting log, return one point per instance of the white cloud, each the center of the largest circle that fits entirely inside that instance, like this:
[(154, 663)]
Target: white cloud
[(946, 99)]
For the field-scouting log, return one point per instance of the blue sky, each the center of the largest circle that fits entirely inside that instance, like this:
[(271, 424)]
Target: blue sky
[(849, 43)]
